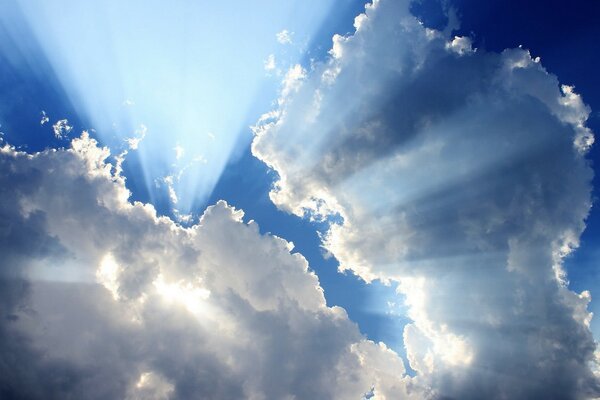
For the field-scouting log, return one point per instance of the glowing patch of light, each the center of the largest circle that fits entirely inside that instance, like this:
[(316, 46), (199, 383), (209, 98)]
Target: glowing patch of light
[(107, 275), (453, 349), (190, 296), (152, 385)]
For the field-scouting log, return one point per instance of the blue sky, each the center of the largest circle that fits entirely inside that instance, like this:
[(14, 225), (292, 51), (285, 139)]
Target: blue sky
[(176, 91)]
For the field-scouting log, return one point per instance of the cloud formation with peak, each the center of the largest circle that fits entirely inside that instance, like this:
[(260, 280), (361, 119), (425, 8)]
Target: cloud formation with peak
[(101, 298), (459, 174)]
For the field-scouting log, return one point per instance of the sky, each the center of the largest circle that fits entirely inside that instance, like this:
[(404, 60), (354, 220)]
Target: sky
[(303, 199)]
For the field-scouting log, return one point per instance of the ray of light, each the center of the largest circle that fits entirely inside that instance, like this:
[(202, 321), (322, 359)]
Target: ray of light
[(191, 74)]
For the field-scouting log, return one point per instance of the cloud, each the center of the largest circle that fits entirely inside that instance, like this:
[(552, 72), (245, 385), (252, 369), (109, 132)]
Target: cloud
[(45, 118), (270, 64), (61, 128), (140, 134), (459, 174), (102, 298), (179, 152), (284, 37)]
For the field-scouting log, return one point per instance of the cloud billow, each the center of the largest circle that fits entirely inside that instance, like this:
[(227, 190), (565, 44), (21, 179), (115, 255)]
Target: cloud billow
[(461, 175), (101, 298)]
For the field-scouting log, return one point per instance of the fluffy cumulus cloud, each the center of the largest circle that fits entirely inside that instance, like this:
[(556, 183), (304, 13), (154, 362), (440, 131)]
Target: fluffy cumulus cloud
[(458, 174), (102, 299)]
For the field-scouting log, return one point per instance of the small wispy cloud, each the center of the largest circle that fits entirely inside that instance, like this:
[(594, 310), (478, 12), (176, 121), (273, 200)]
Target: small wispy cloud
[(185, 219), (45, 118), (172, 182), (269, 63), (140, 134), (179, 152), (284, 37), (132, 144), (169, 180), (61, 128)]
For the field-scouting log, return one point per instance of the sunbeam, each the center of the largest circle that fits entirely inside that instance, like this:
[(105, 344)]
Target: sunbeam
[(190, 73)]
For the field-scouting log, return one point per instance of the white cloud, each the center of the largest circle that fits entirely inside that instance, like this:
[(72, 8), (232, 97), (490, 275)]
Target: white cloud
[(179, 152), (293, 79), (169, 181), (284, 37), (140, 134), (45, 119), (270, 63), (216, 310), (61, 128), (460, 174), (133, 143), (460, 44)]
